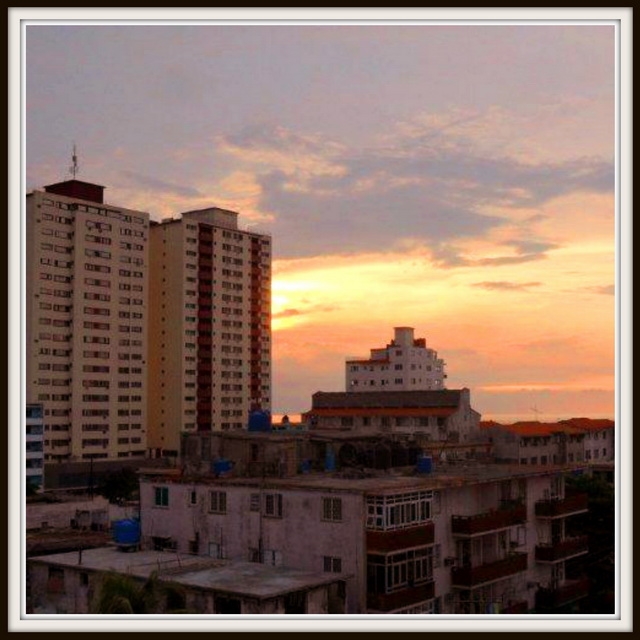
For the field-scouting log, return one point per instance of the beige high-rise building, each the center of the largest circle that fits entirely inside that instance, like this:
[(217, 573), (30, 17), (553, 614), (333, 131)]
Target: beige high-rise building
[(210, 335), (86, 322)]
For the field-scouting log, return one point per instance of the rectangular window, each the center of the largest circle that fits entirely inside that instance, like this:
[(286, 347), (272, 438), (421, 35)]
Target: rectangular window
[(332, 509), (273, 505), (332, 564), (218, 502), (161, 498), (399, 511)]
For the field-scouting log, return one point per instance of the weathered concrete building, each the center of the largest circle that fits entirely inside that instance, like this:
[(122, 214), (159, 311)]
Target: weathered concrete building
[(472, 538), (70, 583)]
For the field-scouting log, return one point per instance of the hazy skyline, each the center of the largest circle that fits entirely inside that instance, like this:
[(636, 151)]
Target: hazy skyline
[(457, 179)]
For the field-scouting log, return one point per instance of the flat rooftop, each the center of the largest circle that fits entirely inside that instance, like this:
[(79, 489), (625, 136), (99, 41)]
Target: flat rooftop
[(443, 475), (249, 579)]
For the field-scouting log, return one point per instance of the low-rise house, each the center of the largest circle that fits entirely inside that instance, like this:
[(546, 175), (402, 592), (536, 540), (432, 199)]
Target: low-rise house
[(565, 442), (441, 415), (70, 583)]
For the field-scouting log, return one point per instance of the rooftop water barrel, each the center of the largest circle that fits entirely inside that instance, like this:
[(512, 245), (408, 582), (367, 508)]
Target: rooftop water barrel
[(259, 421), (330, 460), (221, 466), (126, 532), (424, 464)]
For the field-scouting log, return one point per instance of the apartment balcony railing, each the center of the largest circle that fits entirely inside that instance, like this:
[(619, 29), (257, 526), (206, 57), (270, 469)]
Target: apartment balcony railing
[(550, 599), (561, 507), (473, 576), (491, 520), (387, 541), (562, 550), (400, 598)]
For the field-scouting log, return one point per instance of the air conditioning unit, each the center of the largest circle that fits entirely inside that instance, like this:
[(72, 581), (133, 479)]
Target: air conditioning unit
[(449, 561)]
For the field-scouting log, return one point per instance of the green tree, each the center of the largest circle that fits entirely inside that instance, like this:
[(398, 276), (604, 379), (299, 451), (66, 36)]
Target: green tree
[(122, 594), (599, 524), (119, 485)]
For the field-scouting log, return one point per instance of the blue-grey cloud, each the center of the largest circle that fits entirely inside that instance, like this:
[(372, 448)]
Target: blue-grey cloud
[(447, 256), (161, 186), (380, 196)]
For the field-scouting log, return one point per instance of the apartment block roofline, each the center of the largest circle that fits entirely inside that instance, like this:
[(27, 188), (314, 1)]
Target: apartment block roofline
[(375, 480), (380, 399), (78, 189)]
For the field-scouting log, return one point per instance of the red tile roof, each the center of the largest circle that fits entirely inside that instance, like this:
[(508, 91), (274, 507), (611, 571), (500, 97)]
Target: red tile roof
[(533, 428), (383, 411)]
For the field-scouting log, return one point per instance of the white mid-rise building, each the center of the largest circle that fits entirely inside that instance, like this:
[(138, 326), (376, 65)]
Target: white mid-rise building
[(405, 364)]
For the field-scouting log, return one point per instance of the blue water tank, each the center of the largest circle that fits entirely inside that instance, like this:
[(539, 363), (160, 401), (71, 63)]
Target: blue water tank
[(330, 460), (259, 421), (424, 464), (221, 466), (126, 532)]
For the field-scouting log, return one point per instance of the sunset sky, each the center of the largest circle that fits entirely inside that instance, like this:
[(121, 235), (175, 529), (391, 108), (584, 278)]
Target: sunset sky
[(459, 179)]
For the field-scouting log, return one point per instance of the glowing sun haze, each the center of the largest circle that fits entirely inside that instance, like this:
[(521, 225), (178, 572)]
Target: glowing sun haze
[(456, 179)]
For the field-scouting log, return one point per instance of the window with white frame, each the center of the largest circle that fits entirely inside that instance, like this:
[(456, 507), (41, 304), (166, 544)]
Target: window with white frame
[(396, 571), (332, 509), (398, 511)]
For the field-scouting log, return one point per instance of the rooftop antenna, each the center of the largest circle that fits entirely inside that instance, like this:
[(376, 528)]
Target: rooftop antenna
[(74, 168), (536, 412)]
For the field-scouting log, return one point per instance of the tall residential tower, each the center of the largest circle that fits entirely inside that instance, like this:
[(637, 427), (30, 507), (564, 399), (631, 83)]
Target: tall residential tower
[(86, 319), (210, 329)]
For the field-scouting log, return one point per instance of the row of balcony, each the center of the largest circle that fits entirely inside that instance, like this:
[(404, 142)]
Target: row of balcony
[(470, 576), (489, 521), (511, 514)]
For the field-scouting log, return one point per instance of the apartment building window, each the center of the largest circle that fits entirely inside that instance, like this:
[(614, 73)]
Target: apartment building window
[(218, 502), (332, 509), (399, 511), (273, 505), (389, 573), (161, 496), (332, 564)]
